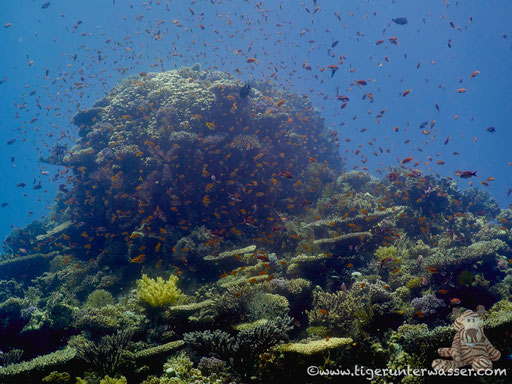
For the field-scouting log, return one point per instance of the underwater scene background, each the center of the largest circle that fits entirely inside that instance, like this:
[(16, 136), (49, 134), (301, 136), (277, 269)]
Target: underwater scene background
[(255, 192)]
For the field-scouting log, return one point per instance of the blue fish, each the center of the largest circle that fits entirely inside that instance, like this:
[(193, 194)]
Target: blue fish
[(400, 20)]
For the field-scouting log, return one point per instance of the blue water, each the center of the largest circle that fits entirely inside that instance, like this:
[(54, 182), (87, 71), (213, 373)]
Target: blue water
[(113, 40)]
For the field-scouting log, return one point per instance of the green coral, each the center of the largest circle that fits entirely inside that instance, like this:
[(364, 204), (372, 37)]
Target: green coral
[(499, 314), (386, 252), (57, 378), (299, 285), (16, 372), (415, 282), (159, 350), (267, 306), (107, 319), (315, 346), (99, 298), (158, 292), (343, 311), (110, 380), (179, 369)]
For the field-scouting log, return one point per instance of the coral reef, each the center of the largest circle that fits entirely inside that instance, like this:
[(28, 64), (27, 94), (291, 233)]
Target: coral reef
[(205, 237)]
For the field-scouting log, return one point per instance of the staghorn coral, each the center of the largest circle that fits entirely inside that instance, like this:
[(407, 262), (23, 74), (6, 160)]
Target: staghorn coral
[(343, 311), (158, 292), (241, 351), (104, 355)]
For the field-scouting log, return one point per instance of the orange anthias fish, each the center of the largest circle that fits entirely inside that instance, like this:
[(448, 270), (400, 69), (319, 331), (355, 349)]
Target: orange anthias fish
[(139, 259), (474, 74), (455, 301)]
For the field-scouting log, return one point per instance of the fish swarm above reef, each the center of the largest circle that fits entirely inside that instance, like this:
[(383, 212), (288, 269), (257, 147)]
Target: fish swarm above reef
[(192, 216), (169, 151)]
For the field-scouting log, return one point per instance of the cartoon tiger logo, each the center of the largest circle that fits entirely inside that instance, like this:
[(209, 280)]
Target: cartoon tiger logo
[(470, 346)]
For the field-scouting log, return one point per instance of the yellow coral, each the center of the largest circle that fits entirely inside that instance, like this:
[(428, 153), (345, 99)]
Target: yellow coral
[(110, 380), (415, 282), (159, 292), (315, 346)]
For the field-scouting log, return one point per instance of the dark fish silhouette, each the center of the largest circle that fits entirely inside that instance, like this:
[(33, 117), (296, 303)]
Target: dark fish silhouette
[(466, 174), (245, 90), (46, 5), (400, 20)]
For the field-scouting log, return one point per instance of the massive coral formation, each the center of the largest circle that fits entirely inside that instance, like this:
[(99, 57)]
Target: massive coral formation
[(166, 152)]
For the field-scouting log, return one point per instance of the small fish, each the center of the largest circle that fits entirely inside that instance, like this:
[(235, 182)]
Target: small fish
[(385, 261), (139, 259), (393, 39), (466, 174), (392, 176), (442, 291), (490, 129), (252, 60), (455, 301), (335, 43), (285, 174), (461, 90), (46, 5), (400, 20), (11, 141), (333, 69), (245, 90), (474, 74), (432, 270)]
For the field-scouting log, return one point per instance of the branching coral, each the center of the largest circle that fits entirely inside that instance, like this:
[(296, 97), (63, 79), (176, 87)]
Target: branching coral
[(343, 311), (240, 351), (105, 355)]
